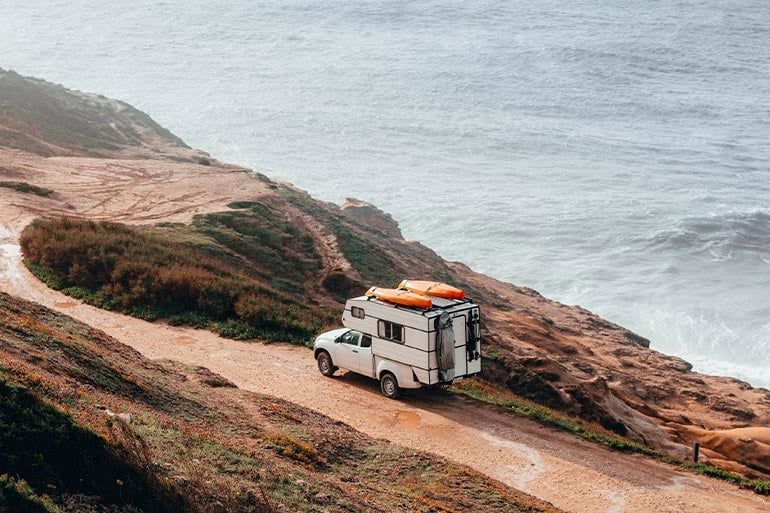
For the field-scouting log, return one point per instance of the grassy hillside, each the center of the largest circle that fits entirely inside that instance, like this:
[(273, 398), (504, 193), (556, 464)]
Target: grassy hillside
[(380, 259), (47, 119), (190, 441), (241, 272), (249, 272)]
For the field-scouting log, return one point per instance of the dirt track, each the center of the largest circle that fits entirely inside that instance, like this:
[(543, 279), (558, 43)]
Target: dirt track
[(565, 470)]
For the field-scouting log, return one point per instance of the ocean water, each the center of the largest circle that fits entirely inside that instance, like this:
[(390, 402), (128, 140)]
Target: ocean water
[(612, 154)]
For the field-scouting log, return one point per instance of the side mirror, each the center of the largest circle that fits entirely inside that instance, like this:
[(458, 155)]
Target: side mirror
[(337, 340)]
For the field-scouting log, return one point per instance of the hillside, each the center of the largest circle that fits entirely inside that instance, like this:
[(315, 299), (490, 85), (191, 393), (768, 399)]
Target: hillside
[(49, 120), (191, 440), (310, 254)]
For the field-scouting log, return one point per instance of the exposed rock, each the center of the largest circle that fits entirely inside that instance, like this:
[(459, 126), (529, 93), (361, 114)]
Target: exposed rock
[(636, 339), (748, 447), (371, 218)]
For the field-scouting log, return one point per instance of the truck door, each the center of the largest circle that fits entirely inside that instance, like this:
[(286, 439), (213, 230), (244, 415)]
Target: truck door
[(347, 349), (365, 359)]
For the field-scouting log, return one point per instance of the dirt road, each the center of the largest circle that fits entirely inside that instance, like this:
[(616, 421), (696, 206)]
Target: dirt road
[(565, 470)]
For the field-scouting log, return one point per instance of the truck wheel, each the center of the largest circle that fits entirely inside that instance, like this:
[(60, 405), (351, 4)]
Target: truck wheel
[(389, 386), (325, 364)]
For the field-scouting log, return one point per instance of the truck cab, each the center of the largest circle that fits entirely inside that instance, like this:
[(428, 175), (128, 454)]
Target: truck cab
[(349, 349)]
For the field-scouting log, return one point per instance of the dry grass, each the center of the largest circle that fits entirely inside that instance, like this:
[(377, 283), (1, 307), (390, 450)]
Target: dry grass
[(189, 446)]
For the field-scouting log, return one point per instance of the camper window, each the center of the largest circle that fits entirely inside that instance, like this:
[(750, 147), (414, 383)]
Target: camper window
[(357, 312), (391, 331)]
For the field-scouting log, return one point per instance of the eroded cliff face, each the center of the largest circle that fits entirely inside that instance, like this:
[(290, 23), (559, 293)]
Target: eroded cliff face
[(573, 360), (562, 356)]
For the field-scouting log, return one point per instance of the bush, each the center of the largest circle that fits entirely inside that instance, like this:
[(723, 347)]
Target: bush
[(152, 275), (292, 448)]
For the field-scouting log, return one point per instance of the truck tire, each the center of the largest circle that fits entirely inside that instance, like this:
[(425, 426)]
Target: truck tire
[(325, 364), (389, 385)]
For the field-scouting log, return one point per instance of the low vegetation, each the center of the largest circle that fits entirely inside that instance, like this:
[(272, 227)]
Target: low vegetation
[(89, 425), (373, 265), (27, 188), (482, 391), (240, 272)]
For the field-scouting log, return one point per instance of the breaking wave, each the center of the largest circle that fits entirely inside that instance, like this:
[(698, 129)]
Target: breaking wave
[(720, 236)]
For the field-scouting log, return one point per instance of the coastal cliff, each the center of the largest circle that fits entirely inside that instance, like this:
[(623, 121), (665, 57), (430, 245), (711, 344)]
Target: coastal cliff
[(103, 160)]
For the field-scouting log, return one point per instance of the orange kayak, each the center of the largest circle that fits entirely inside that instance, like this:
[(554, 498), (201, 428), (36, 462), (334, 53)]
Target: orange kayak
[(432, 288), (400, 297)]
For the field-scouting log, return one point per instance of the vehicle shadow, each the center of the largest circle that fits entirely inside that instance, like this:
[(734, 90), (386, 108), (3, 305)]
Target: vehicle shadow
[(362, 382)]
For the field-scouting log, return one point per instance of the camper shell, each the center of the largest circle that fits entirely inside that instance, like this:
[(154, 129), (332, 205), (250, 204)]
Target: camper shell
[(414, 346)]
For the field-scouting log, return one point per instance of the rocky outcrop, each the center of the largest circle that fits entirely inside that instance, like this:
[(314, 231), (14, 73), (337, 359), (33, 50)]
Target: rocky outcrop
[(371, 218)]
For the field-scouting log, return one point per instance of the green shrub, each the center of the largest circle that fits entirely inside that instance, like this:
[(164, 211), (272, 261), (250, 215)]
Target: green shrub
[(204, 276), (295, 449), (373, 265)]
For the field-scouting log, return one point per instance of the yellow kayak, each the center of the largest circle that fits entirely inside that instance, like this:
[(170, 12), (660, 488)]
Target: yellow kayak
[(400, 297), (432, 288)]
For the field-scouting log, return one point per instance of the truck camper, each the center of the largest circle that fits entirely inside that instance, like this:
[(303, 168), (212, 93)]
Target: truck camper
[(421, 334)]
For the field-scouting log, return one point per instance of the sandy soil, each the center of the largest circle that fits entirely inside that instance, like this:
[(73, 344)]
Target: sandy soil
[(562, 469)]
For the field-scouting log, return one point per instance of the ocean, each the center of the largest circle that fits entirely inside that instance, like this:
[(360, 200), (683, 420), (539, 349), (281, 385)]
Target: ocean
[(610, 154)]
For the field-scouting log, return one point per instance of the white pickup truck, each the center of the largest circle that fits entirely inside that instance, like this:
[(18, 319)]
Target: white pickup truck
[(404, 346)]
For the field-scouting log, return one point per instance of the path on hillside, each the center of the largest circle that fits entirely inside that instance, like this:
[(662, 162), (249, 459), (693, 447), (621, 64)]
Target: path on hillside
[(565, 470)]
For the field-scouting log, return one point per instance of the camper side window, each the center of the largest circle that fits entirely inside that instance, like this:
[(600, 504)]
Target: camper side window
[(357, 312), (391, 331)]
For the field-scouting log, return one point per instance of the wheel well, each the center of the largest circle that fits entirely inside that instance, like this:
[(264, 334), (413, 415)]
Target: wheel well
[(319, 351), (386, 371)]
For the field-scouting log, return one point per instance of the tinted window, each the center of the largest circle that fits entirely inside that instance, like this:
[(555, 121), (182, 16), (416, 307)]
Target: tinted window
[(366, 341), (391, 331), (357, 312)]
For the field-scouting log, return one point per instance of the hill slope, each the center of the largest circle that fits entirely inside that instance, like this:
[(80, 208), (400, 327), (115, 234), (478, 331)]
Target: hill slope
[(192, 441), (49, 120)]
